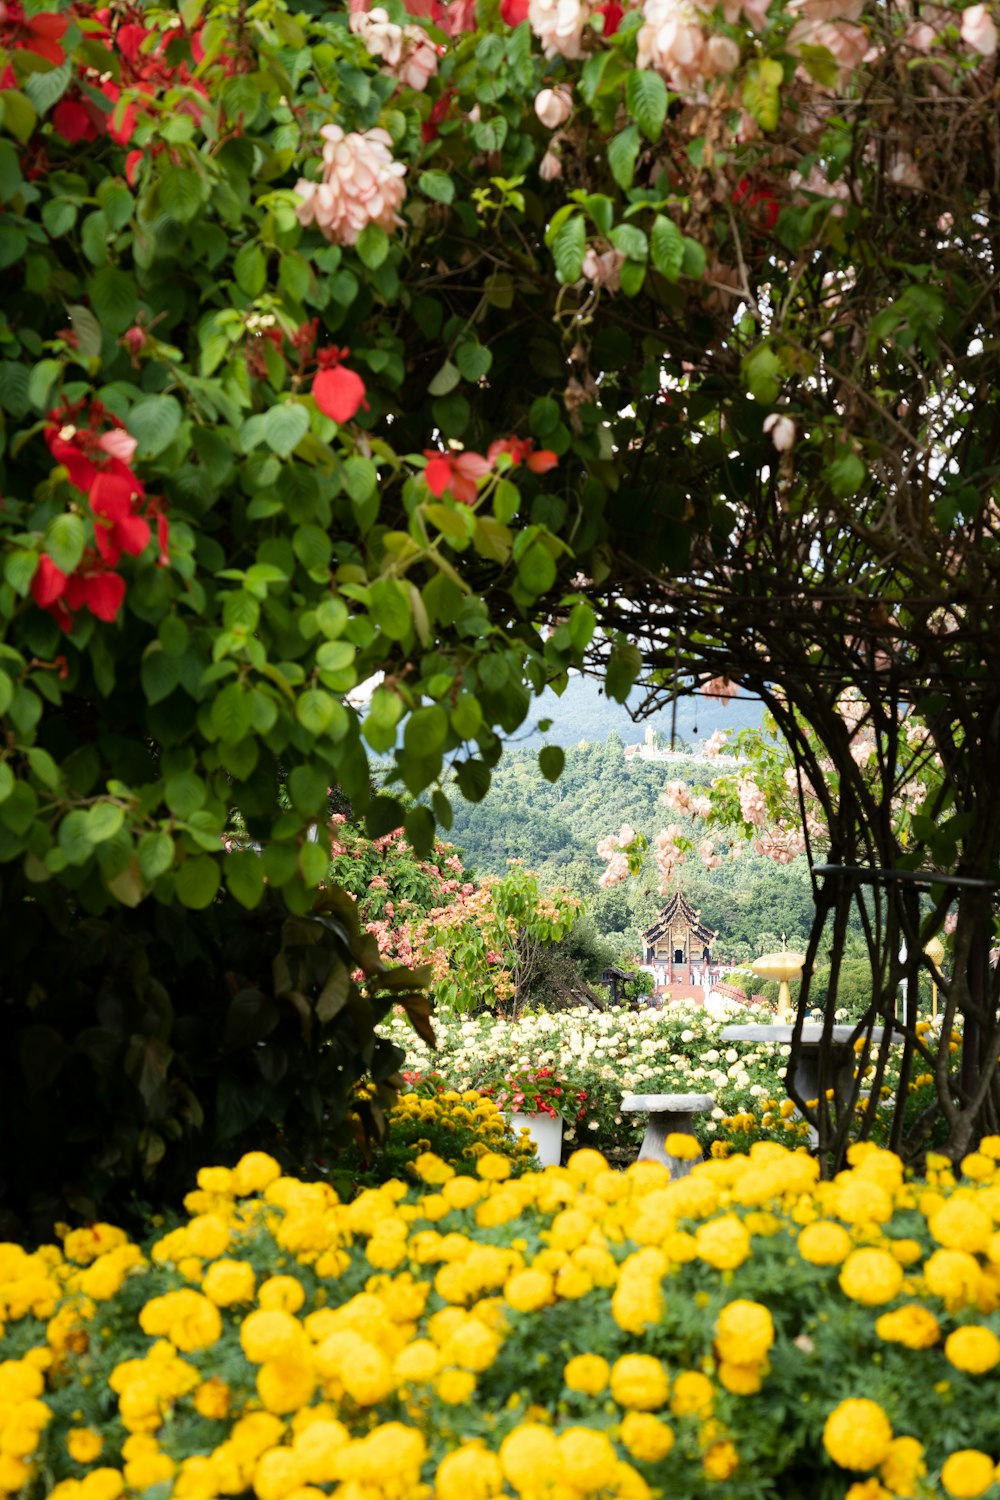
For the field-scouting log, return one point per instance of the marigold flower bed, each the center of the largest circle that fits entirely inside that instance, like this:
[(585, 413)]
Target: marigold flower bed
[(572, 1333)]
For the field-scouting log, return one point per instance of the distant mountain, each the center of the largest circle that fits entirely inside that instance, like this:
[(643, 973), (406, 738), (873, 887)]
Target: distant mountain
[(585, 712)]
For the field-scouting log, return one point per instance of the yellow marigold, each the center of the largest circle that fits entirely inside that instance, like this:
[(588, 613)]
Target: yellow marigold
[(285, 1293), (961, 1225), (824, 1243), (318, 1447), (744, 1332), (740, 1380), (586, 1459), (967, 1474), (857, 1434), (646, 1437), (83, 1444), (228, 1282), (871, 1276), (527, 1291), (858, 1200), (529, 1457), (973, 1349), (285, 1385), (913, 1326), (207, 1236), (692, 1395), (953, 1275), (721, 1461), (685, 1147), (990, 1146), (867, 1489), (211, 1399), (102, 1484), (271, 1334), (637, 1303), (723, 1243), (902, 1466), (493, 1167), (455, 1387), (978, 1166), (147, 1467), (277, 1473), (418, 1363), (639, 1381), (572, 1283), (188, 1319), (85, 1245), (587, 1373), (471, 1472), (253, 1173), (432, 1169), (906, 1251)]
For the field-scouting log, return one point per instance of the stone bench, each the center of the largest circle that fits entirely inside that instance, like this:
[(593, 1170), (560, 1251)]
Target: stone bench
[(668, 1113)]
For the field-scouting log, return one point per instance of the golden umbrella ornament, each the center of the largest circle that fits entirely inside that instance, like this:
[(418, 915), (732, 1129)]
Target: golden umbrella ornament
[(781, 966)]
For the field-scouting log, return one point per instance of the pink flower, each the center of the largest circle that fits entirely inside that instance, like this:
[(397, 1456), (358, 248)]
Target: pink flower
[(719, 687), (550, 166), (672, 41), (979, 30), (553, 106), (361, 185), (605, 268), (782, 430), (559, 25), (407, 51), (456, 472)]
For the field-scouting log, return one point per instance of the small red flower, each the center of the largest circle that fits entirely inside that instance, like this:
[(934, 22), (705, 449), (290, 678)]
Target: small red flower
[(339, 393), (513, 12), (522, 451), (456, 472)]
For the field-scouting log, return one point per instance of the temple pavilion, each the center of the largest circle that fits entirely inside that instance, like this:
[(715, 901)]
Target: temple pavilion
[(678, 948)]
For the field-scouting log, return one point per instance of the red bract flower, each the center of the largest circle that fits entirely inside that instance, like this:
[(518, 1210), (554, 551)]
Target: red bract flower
[(457, 472), (117, 528), (101, 592), (38, 34), (48, 584), (522, 451), (72, 120), (513, 12), (612, 13), (439, 112), (758, 203), (339, 392)]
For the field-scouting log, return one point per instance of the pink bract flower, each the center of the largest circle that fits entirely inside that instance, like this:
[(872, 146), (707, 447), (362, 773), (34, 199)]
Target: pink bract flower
[(553, 106), (782, 430), (361, 185), (559, 24), (672, 41), (979, 29), (550, 166), (407, 51)]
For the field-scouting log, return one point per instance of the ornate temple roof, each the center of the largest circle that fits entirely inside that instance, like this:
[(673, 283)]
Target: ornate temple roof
[(679, 912)]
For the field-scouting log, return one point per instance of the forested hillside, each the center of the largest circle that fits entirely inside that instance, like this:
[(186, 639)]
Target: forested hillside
[(585, 712), (555, 827)]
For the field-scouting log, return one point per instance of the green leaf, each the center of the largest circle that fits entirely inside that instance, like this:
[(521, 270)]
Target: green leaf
[(19, 115), (153, 422), (420, 830), (623, 152), (89, 337), (250, 269), (314, 864), (245, 877), (6, 781), (624, 666), (180, 193), (384, 815), (372, 245), (569, 245), (360, 479), (666, 245), (65, 540), (197, 881), (159, 673), (820, 63), (846, 474), (184, 793), (536, 568), (307, 789), (284, 428), (232, 713), (41, 381), (114, 299), (155, 853), (473, 777), (437, 185), (630, 240), (103, 821), (762, 372), (551, 760), (646, 98), (474, 360), (426, 731), (317, 711), (59, 216), (761, 91), (46, 89), (390, 608), (695, 259), (74, 837), (445, 380)]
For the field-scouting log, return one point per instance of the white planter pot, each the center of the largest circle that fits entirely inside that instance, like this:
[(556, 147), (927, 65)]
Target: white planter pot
[(545, 1131)]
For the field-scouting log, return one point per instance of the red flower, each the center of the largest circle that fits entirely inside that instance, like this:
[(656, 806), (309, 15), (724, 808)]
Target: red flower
[(72, 120), (513, 12), (48, 584), (439, 111), (38, 34), (339, 393), (101, 592), (456, 472), (522, 451), (612, 13), (122, 530)]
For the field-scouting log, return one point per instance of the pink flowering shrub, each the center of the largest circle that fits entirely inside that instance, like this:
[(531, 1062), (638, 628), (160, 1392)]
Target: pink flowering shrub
[(361, 185)]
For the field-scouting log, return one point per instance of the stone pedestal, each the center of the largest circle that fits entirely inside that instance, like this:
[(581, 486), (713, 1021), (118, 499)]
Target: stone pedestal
[(806, 1074), (667, 1113)]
